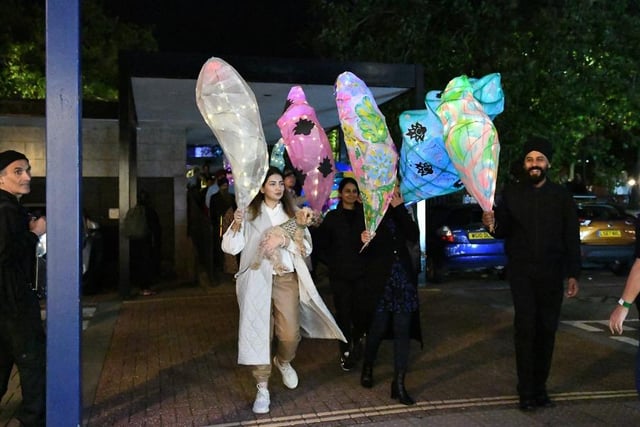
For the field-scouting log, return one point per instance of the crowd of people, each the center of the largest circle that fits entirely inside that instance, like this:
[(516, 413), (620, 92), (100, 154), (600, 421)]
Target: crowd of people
[(372, 277)]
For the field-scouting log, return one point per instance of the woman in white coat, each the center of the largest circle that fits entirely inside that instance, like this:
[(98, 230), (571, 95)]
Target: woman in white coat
[(287, 304)]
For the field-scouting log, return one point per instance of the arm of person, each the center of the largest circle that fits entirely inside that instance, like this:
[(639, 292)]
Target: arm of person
[(497, 220), (233, 239), (629, 294)]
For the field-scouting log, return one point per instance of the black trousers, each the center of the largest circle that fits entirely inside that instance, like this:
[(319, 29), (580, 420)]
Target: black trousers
[(379, 329), (347, 294), (23, 343), (537, 292)]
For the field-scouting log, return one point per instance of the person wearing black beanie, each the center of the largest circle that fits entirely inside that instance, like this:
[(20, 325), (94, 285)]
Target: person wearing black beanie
[(539, 222), (22, 337)]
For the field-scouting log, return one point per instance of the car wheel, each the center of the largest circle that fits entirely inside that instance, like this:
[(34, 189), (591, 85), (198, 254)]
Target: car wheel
[(434, 271)]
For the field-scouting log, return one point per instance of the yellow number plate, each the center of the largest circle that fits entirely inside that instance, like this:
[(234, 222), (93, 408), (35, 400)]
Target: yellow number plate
[(609, 233), (480, 235)]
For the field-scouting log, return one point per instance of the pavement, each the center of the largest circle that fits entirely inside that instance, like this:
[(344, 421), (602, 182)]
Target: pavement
[(170, 360)]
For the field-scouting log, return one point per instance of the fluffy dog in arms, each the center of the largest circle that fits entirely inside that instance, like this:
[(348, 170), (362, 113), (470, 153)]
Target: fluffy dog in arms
[(293, 229)]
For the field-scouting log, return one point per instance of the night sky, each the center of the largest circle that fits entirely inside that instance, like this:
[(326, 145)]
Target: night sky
[(246, 27)]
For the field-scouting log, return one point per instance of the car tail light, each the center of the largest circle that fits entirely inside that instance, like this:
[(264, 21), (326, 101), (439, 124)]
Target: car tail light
[(445, 234)]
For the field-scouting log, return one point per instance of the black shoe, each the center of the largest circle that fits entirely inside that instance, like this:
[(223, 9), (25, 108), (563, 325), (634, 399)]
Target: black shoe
[(346, 362), (399, 392), (527, 405), (366, 378), (543, 401)]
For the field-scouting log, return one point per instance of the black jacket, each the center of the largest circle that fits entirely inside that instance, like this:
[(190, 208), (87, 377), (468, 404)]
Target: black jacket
[(17, 256), (380, 254), (540, 226), (337, 242)]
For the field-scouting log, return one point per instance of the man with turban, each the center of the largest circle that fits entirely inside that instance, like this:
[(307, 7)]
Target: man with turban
[(538, 220)]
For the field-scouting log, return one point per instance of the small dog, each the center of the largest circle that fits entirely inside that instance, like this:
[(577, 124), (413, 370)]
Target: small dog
[(293, 229)]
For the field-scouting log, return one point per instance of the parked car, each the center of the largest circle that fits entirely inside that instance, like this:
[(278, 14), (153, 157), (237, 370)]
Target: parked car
[(607, 236), (456, 240)]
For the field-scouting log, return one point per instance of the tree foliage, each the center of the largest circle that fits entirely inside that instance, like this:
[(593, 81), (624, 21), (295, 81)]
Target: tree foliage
[(569, 67), (22, 49)]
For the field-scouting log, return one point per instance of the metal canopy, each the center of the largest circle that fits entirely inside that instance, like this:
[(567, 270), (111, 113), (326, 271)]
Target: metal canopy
[(181, 110), (163, 88)]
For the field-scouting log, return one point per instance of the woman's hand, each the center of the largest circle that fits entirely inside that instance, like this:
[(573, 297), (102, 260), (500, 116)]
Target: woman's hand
[(366, 236), (238, 216)]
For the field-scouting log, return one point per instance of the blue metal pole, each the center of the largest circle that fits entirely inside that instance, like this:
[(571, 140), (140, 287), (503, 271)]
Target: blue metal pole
[(64, 175)]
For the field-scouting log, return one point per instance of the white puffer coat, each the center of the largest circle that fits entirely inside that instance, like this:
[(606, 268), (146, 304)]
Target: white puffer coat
[(253, 291)]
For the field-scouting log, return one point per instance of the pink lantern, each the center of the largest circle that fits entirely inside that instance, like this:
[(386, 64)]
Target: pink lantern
[(308, 148)]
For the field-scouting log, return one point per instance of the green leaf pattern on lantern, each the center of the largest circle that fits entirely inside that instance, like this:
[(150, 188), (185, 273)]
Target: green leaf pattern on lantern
[(371, 122)]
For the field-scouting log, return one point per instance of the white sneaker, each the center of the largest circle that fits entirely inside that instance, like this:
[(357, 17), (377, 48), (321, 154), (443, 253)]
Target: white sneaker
[(289, 376), (262, 402)]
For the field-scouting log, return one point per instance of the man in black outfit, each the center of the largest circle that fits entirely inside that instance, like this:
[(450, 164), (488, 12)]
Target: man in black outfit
[(22, 337), (539, 222)]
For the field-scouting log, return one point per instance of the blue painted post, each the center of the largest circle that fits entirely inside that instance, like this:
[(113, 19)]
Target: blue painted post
[(64, 175)]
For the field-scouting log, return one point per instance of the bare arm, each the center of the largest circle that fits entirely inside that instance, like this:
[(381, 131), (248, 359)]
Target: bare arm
[(629, 294)]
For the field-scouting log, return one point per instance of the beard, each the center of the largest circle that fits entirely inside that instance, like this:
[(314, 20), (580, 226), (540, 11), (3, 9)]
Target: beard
[(536, 179)]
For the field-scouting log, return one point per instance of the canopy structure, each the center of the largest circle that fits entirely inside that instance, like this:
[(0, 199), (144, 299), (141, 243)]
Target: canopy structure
[(161, 88)]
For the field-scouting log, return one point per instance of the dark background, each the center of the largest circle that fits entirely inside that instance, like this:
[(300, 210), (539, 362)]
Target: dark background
[(248, 27)]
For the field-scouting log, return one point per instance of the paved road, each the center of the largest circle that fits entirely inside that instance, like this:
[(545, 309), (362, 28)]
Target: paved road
[(169, 360)]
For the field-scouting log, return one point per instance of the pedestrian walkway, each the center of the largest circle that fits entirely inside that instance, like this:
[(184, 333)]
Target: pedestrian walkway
[(170, 360)]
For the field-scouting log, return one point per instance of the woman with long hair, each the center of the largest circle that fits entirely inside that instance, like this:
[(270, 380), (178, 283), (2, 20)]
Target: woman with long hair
[(286, 303)]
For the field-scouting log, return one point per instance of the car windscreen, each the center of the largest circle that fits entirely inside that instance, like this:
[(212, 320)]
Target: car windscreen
[(599, 213), (456, 217)]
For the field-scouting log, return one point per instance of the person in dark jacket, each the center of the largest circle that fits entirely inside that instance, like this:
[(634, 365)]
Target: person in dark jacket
[(337, 241), (391, 298), (22, 336), (146, 251), (538, 220)]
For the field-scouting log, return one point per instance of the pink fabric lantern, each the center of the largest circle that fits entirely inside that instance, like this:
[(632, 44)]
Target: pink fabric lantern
[(308, 148)]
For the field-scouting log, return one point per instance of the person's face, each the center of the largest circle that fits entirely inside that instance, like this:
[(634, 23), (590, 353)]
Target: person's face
[(349, 193), (273, 188), (290, 181), (17, 178), (536, 166)]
